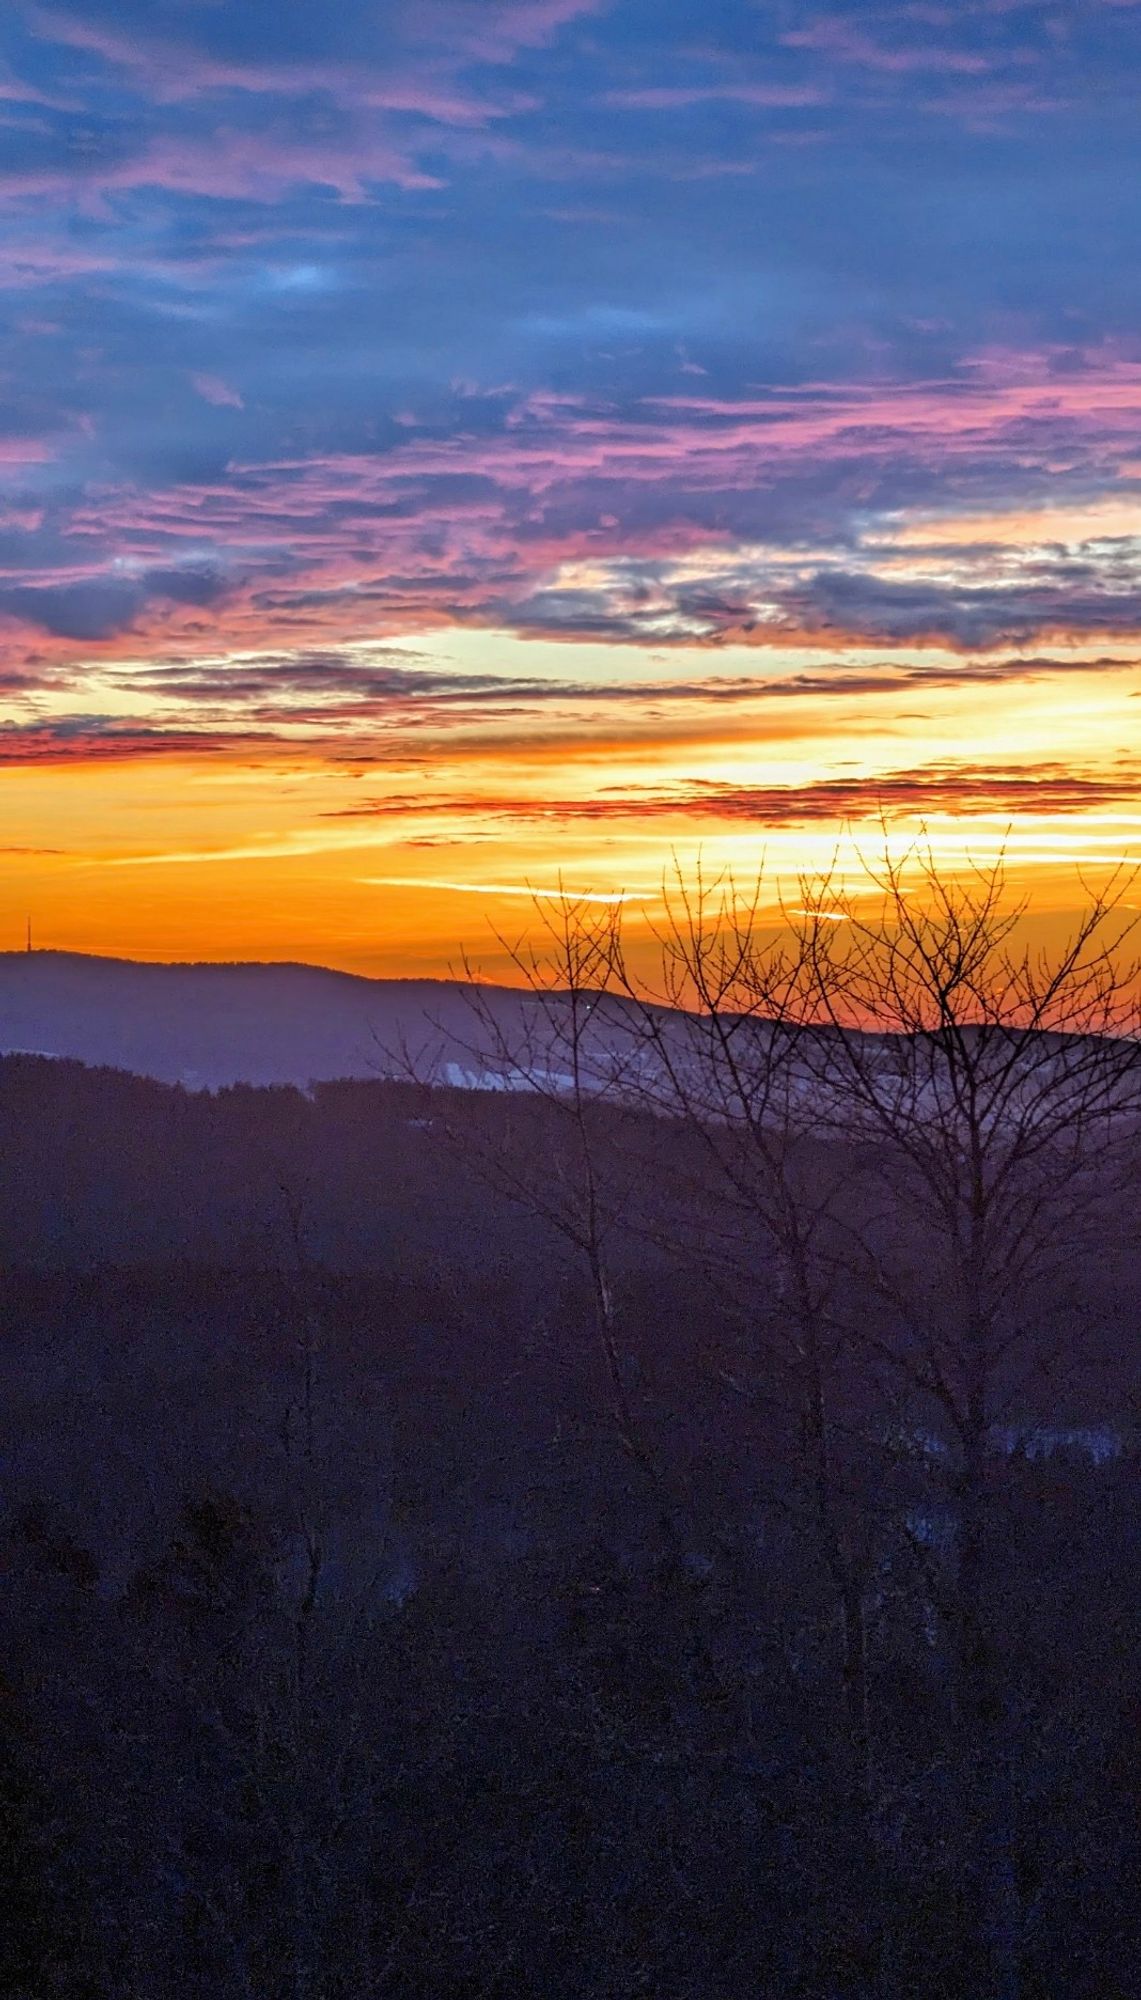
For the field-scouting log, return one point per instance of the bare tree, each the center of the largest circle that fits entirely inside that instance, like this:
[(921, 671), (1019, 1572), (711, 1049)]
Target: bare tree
[(729, 1056), (555, 1046), (907, 1120), (576, 1045), (743, 1186), (996, 1084)]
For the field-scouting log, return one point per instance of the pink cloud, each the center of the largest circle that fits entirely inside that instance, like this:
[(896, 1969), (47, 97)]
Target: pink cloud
[(764, 96), (231, 163), (439, 33), (488, 527), (498, 28), (839, 38), (24, 451), (212, 389)]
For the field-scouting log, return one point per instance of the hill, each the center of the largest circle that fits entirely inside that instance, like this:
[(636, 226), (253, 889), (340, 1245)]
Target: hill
[(208, 1025)]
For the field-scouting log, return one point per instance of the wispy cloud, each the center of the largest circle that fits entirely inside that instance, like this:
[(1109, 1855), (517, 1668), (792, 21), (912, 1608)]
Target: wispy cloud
[(1002, 792), (524, 891), (684, 517)]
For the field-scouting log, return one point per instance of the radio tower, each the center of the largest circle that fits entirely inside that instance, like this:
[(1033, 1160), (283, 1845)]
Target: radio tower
[(29, 938)]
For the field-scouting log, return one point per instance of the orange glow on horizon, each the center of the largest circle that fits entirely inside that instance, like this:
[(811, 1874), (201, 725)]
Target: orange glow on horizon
[(376, 853)]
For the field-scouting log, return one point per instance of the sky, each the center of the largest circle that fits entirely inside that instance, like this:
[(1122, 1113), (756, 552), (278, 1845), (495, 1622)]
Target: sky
[(450, 448)]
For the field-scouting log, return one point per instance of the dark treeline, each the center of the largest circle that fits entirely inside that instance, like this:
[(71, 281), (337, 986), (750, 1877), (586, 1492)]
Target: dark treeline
[(561, 1544)]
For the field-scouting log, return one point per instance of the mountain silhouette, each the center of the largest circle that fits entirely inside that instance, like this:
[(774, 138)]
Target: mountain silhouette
[(207, 1025)]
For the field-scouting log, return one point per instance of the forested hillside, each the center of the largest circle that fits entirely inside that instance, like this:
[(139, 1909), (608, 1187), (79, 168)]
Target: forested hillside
[(379, 1618)]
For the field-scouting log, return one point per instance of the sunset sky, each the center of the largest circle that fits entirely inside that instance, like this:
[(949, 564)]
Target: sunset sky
[(447, 445)]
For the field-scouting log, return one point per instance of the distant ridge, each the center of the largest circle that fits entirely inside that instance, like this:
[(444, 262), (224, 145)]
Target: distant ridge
[(208, 1024)]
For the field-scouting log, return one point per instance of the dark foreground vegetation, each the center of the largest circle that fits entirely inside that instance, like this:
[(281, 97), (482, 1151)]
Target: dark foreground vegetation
[(571, 1544)]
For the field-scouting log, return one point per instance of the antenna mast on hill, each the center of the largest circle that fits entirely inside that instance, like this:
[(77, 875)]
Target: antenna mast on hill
[(29, 943)]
